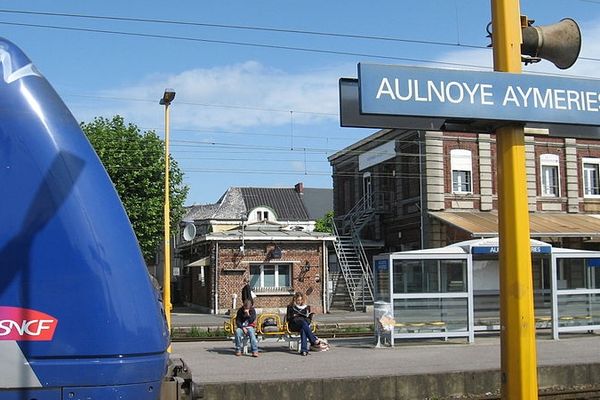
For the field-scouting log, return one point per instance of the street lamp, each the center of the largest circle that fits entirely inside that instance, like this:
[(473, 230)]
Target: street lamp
[(166, 100)]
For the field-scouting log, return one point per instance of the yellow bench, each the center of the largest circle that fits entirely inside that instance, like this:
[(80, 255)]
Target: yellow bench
[(293, 338), (279, 331)]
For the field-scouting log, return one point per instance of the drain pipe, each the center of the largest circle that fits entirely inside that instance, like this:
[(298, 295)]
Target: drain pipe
[(216, 278)]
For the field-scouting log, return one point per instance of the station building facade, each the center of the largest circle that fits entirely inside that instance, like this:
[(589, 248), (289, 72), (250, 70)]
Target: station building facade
[(406, 190), (431, 189), (265, 235)]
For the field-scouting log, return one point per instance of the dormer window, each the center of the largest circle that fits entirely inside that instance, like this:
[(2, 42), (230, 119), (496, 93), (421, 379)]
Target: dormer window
[(262, 214)]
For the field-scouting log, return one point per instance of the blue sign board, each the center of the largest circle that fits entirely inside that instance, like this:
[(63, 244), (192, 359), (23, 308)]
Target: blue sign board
[(500, 96), (593, 262), (496, 249), (381, 265)]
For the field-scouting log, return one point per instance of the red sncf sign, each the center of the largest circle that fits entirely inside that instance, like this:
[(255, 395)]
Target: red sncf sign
[(24, 324)]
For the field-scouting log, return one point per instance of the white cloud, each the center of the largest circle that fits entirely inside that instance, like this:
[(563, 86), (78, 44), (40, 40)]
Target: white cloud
[(232, 97), (298, 166)]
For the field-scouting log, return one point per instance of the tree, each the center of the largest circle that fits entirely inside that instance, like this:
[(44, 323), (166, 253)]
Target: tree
[(135, 163), (325, 224)]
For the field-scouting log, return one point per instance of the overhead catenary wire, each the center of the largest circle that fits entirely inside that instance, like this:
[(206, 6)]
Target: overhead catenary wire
[(243, 146), (242, 27), (270, 29), (280, 30), (239, 43)]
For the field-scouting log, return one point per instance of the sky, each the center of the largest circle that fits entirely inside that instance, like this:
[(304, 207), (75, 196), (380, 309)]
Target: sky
[(256, 81)]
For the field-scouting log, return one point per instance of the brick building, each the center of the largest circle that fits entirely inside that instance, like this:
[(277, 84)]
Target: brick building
[(263, 234), (424, 189)]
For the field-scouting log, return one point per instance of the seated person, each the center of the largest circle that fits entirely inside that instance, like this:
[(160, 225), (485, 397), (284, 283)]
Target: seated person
[(245, 321), (299, 318)]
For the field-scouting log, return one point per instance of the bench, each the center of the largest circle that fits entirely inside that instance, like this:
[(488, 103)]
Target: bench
[(278, 331)]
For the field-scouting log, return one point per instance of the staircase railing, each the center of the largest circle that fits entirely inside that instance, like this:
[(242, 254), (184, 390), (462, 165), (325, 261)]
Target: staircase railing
[(351, 224), (344, 266), (365, 265), (368, 204)]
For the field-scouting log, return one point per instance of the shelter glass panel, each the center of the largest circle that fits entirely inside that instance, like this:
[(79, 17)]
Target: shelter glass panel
[(422, 315), (579, 309), (575, 273), (382, 280), (430, 276)]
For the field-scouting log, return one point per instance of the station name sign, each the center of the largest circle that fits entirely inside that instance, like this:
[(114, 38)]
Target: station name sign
[(499, 96), (496, 250)]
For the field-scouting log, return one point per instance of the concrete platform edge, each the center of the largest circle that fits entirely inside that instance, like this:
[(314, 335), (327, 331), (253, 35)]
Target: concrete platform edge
[(441, 385)]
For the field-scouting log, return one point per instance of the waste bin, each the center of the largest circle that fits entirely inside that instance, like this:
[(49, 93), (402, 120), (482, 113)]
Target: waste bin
[(382, 309)]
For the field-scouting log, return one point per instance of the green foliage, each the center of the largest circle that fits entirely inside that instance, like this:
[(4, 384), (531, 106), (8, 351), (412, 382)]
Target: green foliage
[(198, 333), (135, 163), (195, 332), (325, 224)]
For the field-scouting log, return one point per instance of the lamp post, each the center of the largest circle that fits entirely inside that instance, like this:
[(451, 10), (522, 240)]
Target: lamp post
[(166, 100)]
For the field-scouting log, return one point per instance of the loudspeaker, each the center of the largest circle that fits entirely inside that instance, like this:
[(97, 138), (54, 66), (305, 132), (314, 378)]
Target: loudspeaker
[(559, 43)]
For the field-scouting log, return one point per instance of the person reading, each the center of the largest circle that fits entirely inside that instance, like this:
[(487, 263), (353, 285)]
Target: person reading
[(299, 318)]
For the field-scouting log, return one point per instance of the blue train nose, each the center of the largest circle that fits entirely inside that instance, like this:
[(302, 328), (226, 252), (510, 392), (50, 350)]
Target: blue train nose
[(78, 313)]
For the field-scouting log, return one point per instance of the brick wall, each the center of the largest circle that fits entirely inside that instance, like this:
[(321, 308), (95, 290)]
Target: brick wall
[(234, 266)]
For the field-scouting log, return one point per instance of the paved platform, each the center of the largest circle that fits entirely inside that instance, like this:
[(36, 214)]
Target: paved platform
[(354, 368)]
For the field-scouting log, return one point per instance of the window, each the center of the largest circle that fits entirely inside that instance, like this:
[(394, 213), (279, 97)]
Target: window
[(271, 276), (591, 177), (367, 189), (262, 215), (550, 178), (460, 162)]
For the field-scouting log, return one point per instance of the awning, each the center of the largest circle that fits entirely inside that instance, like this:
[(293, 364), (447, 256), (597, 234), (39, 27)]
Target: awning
[(485, 224), (201, 262)]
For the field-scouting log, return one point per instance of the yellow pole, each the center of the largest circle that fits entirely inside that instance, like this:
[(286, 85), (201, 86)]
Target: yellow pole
[(518, 351), (167, 220)]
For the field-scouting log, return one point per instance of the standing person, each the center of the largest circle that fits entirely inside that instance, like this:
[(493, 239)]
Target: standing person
[(247, 292), (245, 321), (299, 318)]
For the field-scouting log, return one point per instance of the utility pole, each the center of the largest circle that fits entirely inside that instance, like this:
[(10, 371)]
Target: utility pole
[(518, 346)]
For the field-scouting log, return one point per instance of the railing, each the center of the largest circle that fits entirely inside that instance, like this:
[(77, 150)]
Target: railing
[(343, 263), (367, 276), (370, 203)]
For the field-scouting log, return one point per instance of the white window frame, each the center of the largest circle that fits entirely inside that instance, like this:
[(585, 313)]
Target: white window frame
[(260, 214), (461, 161), (368, 188), (596, 162), (553, 161), (261, 280)]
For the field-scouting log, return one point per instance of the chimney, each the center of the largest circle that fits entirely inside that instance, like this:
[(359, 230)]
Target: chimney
[(299, 187)]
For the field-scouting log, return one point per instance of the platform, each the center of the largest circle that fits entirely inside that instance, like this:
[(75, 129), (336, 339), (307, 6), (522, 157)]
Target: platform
[(355, 369)]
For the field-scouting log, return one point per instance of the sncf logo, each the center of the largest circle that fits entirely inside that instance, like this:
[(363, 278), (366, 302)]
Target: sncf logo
[(23, 324)]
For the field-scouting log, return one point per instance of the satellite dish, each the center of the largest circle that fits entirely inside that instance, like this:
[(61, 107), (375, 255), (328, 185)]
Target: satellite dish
[(189, 232)]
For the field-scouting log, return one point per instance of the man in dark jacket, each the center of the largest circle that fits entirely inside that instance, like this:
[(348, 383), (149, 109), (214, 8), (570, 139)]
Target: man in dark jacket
[(245, 321), (247, 292)]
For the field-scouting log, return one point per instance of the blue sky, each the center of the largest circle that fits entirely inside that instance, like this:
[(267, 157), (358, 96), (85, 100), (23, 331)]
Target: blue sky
[(249, 115)]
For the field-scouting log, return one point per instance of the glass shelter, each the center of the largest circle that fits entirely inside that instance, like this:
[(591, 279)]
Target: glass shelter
[(454, 291)]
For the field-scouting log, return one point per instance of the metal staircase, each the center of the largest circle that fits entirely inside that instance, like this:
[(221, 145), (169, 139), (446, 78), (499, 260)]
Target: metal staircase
[(353, 262)]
